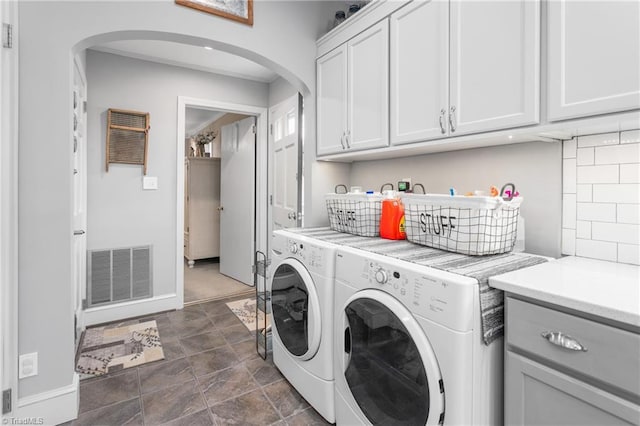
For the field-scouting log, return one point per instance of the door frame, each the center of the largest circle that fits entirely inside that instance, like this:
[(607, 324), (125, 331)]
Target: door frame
[(81, 290), (261, 193), (9, 77)]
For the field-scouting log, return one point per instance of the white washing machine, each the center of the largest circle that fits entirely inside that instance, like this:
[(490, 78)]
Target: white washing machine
[(301, 288), (408, 346)]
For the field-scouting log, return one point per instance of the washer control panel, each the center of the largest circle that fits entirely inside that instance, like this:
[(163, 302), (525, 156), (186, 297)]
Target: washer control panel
[(381, 276), (444, 297), (314, 257)]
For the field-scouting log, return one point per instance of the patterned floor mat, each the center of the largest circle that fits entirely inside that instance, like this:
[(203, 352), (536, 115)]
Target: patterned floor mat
[(105, 350), (245, 310)]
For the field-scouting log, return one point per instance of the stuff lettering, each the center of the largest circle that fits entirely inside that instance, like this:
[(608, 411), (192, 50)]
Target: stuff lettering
[(437, 224), (346, 217)]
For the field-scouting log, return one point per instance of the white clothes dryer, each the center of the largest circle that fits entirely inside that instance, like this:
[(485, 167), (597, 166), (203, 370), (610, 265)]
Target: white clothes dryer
[(408, 346), (301, 288)]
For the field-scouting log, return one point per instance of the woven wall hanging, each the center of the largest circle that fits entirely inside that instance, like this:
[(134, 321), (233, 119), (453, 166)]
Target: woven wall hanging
[(127, 137)]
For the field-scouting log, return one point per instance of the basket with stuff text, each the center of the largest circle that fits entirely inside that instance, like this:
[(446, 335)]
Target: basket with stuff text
[(473, 225), (355, 213)]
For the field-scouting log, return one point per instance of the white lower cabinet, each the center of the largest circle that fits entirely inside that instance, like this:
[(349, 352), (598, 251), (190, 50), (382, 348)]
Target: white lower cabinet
[(353, 93), (563, 369), (463, 67), (538, 395), (593, 57)]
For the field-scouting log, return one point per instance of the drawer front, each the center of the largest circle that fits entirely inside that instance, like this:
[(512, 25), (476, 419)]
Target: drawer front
[(612, 355)]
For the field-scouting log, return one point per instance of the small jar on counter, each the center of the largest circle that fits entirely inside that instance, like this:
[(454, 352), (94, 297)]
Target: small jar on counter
[(352, 10), (339, 18)]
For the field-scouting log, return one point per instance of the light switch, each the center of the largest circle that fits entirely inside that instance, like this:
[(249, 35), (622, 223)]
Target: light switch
[(28, 365), (150, 182)]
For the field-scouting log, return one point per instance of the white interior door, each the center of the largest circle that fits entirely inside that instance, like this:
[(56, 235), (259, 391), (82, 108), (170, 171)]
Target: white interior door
[(237, 199), (9, 210), (79, 196), (285, 156)]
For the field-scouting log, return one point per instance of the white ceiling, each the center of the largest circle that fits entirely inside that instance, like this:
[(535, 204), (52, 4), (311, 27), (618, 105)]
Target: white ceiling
[(197, 119), (189, 56)]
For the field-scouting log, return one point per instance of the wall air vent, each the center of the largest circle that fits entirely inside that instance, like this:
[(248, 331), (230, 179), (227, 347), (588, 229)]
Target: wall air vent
[(118, 275)]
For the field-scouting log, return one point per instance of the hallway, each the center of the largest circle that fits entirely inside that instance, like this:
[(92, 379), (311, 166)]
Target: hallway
[(204, 282)]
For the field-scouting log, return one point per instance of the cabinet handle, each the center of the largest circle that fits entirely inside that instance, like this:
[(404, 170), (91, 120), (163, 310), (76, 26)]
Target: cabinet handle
[(78, 232), (452, 118), (347, 139), (442, 113), (342, 140), (563, 340)]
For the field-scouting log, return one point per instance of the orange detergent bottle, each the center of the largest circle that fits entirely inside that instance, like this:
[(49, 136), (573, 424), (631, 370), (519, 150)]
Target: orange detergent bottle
[(392, 218)]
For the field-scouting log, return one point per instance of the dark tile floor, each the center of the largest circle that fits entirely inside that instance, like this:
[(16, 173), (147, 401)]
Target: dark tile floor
[(211, 375)]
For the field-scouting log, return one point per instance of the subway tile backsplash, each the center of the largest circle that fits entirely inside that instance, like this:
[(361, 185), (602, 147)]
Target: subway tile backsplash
[(601, 197), (619, 154)]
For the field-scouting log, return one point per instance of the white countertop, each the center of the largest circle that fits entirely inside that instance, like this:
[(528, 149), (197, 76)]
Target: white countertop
[(606, 289)]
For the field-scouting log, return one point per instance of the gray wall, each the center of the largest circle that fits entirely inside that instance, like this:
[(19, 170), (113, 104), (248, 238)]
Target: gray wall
[(535, 169), (283, 38), (120, 213), (279, 90)]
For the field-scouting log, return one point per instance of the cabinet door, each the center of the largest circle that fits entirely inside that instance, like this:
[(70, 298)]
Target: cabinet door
[(494, 77), (368, 84), (419, 71), (594, 57), (331, 77), (538, 395)]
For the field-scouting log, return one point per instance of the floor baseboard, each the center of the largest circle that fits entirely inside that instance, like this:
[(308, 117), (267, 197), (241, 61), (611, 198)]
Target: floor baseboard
[(51, 407), (250, 292), (135, 308)]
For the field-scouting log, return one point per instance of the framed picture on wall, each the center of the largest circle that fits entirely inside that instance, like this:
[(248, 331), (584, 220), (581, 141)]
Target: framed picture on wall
[(237, 10)]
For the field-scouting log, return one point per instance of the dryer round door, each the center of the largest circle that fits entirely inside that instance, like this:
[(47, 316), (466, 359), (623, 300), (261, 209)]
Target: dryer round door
[(388, 363), (295, 309)]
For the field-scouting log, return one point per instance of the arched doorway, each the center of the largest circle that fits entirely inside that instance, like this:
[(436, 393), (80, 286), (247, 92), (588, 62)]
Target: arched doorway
[(260, 238)]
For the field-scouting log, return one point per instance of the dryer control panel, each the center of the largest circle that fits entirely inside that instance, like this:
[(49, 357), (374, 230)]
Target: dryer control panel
[(446, 298)]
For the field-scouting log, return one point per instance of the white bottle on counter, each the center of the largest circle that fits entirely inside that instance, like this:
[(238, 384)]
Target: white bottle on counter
[(519, 246)]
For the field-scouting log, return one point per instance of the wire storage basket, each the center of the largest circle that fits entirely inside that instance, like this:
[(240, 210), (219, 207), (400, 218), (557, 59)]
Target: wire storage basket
[(355, 213), (469, 225)]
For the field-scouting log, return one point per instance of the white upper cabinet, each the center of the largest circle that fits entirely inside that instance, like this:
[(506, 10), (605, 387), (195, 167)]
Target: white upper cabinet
[(353, 93), (594, 57), (419, 62), (463, 67), (368, 85), (494, 65), (331, 78)]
